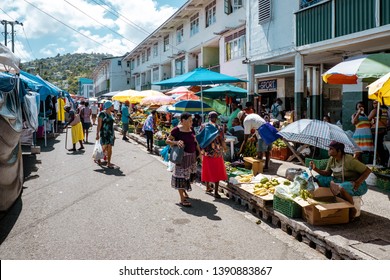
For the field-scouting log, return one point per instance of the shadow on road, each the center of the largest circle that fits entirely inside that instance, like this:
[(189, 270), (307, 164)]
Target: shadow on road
[(201, 208), (9, 218), (115, 171)]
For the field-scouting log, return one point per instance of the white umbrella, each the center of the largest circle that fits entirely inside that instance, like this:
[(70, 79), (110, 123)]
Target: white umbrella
[(318, 134)]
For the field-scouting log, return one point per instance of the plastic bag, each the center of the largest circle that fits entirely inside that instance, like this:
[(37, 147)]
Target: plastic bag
[(97, 151), (165, 153)]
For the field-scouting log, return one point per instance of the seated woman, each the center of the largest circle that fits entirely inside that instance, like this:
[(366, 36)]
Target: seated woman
[(349, 174)]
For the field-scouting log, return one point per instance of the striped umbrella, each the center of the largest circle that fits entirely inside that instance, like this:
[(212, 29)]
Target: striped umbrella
[(190, 106), (318, 134)]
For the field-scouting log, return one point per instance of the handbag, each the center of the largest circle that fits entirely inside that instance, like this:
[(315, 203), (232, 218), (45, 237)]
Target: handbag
[(176, 154), (76, 120)]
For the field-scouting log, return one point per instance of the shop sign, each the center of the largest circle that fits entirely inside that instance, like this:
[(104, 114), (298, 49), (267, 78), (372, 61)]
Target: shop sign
[(267, 85)]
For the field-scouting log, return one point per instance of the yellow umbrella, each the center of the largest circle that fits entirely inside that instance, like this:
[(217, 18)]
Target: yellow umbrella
[(137, 97), (380, 90), (125, 95)]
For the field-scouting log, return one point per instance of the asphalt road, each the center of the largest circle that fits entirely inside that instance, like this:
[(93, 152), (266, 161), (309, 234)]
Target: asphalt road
[(73, 209)]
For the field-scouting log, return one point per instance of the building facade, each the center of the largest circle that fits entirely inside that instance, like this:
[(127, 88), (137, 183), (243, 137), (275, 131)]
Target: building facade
[(85, 87), (292, 43), (110, 75), (201, 33)]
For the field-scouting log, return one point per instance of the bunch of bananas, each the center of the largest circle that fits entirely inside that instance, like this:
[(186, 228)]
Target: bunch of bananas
[(245, 178), (265, 186), (250, 149)]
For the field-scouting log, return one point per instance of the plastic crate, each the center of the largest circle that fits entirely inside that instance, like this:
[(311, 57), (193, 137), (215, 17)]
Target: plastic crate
[(287, 207), (320, 163)]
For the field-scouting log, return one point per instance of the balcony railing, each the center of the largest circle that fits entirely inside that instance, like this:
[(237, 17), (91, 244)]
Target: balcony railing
[(334, 18)]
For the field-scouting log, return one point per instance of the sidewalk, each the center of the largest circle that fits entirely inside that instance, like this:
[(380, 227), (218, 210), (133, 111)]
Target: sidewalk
[(366, 238)]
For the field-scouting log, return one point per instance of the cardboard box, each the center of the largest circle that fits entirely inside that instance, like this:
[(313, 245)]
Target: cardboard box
[(324, 208), (255, 164)]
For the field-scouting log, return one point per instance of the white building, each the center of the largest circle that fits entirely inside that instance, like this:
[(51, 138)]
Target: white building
[(201, 33), (292, 42), (110, 75)]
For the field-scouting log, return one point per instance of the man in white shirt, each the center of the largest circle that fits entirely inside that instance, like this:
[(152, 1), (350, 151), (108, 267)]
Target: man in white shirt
[(277, 109)]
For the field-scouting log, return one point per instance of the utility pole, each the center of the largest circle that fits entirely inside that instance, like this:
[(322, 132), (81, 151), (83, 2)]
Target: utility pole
[(12, 23)]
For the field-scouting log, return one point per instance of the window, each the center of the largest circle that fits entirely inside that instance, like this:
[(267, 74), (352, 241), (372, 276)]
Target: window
[(230, 6), (132, 62), (155, 49), (166, 43), (137, 80), (138, 61), (148, 54), (143, 57), (179, 66), (119, 63), (128, 63), (156, 77), (264, 11), (235, 45), (211, 13), (179, 34), (194, 24)]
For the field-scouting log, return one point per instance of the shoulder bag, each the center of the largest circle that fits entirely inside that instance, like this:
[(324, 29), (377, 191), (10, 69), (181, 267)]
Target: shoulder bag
[(176, 154), (76, 120)]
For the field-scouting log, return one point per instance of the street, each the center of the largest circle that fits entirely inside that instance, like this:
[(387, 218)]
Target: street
[(71, 208)]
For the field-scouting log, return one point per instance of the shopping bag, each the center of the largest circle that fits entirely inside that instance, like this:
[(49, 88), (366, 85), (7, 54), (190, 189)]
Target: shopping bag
[(176, 154), (97, 151)]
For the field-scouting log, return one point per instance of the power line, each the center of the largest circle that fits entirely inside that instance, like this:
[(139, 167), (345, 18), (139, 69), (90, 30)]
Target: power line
[(69, 26), (101, 23)]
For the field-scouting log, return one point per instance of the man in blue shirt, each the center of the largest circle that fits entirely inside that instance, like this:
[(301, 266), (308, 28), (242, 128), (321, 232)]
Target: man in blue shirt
[(125, 120)]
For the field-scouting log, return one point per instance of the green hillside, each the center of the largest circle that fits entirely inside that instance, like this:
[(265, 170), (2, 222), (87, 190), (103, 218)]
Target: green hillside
[(64, 70)]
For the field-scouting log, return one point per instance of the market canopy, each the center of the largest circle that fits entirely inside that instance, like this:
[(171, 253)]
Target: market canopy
[(190, 106), (223, 91), (380, 90), (124, 95), (8, 61), (366, 67), (45, 89), (137, 97)]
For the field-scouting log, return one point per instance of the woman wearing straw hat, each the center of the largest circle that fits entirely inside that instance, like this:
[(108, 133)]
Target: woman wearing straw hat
[(105, 131)]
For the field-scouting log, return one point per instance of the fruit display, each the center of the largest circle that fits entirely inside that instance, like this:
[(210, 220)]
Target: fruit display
[(279, 144), (245, 178), (250, 149), (267, 186)]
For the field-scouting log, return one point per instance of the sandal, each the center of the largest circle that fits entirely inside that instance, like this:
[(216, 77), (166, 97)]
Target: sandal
[(185, 203), (98, 162), (111, 166), (72, 150), (217, 195), (209, 190), (81, 148)]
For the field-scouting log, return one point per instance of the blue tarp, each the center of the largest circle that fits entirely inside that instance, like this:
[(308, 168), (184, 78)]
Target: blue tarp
[(45, 89)]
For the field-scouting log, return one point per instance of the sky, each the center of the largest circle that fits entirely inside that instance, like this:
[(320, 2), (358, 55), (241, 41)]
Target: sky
[(52, 27)]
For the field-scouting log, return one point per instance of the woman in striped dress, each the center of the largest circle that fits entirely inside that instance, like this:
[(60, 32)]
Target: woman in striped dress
[(362, 135)]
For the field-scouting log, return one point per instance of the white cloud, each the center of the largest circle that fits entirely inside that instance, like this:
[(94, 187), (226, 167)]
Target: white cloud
[(48, 36)]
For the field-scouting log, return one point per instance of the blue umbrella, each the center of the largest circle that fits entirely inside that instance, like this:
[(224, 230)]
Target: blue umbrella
[(223, 91), (199, 76), (190, 106)]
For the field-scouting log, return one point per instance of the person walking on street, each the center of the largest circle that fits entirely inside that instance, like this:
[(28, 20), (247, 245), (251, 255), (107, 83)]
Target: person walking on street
[(184, 173), (148, 128), (213, 165), (85, 114), (77, 129), (105, 132), (125, 119), (94, 112)]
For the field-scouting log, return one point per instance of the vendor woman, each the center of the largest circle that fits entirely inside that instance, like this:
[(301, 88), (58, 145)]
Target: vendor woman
[(344, 174)]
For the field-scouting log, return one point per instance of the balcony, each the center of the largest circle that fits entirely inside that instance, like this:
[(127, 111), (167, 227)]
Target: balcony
[(334, 18)]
